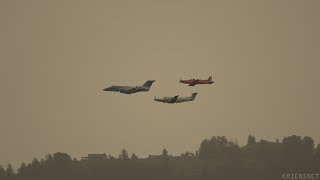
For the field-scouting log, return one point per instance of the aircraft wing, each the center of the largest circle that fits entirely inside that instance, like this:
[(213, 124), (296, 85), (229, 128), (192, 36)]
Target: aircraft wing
[(193, 83), (174, 99), (129, 90)]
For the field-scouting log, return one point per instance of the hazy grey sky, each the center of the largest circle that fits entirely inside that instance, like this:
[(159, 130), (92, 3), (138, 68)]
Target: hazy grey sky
[(57, 56)]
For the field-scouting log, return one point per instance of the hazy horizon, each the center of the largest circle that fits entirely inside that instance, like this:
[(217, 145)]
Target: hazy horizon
[(57, 56)]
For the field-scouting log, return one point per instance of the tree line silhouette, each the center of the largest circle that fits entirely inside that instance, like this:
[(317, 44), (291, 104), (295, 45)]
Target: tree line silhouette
[(217, 158)]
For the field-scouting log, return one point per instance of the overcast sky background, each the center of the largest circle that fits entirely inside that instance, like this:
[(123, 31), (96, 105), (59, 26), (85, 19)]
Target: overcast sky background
[(57, 56)]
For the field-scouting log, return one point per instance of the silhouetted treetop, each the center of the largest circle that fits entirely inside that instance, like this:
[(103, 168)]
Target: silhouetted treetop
[(9, 170), (164, 153), (124, 155), (134, 156), (215, 147), (2, 172), (251, 140), (63, 157)]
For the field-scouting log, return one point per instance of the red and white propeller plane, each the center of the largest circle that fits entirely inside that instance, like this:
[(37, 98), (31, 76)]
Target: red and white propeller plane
[(193, 82)]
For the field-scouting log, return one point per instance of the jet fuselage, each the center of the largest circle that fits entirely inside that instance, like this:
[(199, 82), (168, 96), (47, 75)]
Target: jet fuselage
[(130, 89)]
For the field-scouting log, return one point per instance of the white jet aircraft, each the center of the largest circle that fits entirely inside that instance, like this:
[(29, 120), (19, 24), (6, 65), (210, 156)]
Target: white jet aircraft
[(131, 89)]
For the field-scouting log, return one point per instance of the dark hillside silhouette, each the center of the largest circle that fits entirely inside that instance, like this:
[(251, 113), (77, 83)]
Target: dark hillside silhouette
[(217, 158)]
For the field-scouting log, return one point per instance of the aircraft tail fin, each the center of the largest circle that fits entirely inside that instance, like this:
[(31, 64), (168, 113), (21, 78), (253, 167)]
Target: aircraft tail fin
[(193, 96), (148, 83), (210, 78)]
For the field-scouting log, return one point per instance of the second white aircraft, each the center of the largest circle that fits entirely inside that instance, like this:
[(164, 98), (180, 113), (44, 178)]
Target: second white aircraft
[(176, 99)]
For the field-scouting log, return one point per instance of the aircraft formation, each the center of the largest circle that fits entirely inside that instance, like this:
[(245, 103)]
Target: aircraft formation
[(167, 99)]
